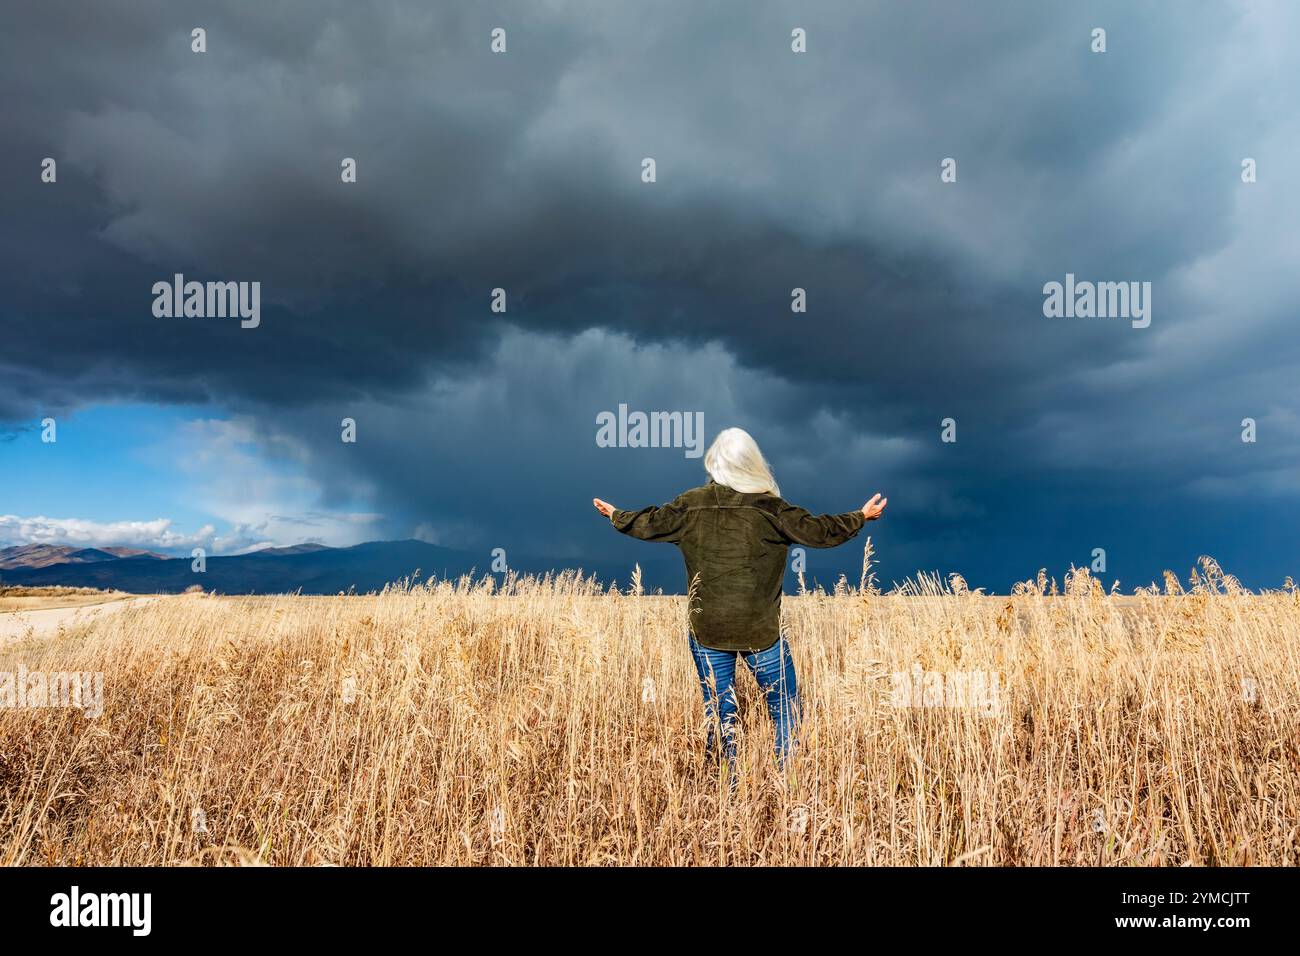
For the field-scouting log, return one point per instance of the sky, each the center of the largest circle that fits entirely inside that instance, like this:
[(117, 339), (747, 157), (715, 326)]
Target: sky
[(774, 170)]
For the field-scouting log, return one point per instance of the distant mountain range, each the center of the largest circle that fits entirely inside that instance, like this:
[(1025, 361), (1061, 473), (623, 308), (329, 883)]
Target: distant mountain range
[(310, 568), (44, 555)]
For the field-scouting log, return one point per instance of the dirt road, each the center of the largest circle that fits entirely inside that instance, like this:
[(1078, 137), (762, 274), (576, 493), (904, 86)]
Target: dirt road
[(19, 624)]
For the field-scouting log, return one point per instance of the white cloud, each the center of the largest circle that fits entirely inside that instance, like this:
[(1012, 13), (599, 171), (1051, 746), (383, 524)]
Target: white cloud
[(254, 478), (248, 481), (160, 535), (152, 535)]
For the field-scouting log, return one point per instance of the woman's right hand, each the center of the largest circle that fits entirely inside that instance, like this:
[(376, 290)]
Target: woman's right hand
[(872, 509)]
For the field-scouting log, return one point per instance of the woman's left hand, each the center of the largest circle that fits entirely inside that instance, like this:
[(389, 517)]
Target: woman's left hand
[(604, 507)]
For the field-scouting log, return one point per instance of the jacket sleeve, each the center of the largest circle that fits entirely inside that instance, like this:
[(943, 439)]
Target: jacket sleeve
[(662, 523), (817, 531)]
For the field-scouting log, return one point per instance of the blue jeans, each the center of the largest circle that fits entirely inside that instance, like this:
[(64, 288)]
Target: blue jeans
[(773, 669)]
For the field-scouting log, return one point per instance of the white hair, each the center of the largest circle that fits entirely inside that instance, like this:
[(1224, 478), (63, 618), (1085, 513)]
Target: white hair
[(735, 461)]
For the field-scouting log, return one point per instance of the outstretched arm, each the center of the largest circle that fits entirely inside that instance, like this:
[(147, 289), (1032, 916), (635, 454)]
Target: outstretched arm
[(664, 523), (827, 531)]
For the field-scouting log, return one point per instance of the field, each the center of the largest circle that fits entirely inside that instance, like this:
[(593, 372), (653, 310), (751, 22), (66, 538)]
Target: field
[(549, 722), (33, 599)]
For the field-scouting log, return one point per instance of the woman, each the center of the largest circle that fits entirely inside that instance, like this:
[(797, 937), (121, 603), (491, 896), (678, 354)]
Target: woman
[(735, 533)]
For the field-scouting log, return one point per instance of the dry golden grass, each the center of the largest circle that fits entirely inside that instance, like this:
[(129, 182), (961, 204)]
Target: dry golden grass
[(457, 724), (35, 599)]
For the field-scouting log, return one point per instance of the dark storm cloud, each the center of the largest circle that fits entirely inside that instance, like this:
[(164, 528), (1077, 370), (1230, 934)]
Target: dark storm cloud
[(818, 171)]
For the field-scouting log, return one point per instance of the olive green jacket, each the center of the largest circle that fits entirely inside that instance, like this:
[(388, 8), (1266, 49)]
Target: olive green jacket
[(735, 545)]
